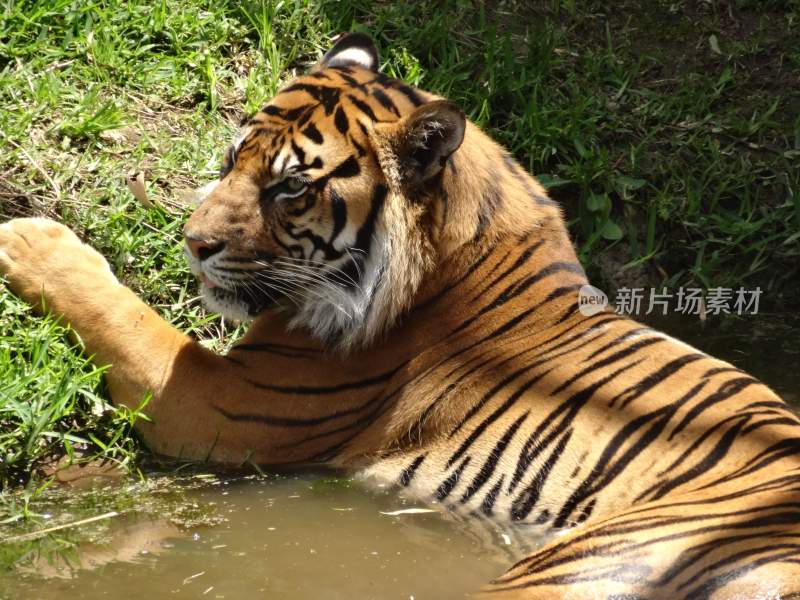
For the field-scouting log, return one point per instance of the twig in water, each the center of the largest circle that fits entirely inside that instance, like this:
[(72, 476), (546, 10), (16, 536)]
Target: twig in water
[(36, 534)]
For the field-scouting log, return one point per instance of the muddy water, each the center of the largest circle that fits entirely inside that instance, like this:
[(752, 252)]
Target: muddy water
[(306, 536), (296, 537)]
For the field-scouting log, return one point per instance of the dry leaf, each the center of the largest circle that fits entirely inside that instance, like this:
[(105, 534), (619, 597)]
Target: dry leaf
[(136, 186), (714, 43)]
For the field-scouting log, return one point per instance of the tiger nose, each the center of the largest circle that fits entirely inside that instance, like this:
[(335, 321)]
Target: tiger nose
[(202, 249)]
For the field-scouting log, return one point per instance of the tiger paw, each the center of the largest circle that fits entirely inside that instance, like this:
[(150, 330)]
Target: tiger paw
[(43, 260)]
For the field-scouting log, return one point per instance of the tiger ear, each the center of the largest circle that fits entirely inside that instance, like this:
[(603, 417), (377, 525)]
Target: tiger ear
[(426, 138), (352, 50)]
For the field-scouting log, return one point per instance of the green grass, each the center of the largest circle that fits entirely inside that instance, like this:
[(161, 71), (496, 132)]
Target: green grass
[(670, 135)]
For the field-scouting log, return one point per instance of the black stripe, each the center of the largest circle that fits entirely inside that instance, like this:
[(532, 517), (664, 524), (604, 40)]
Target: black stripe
[(408, 91), (517, 288), (568, 409), (377, 404), (521, 260), (549, 355), (646, 526), (315, 164), (726, 390), (634, 391), (272, 111), (364, 236), (448, 484), (617, 341), (496, 414), (472, 268), (359, 148), (312, 133), (786, 484), (488, 467), (340, 120), (699, 441), (516, 320), (609, 360), (298, 152), (347, 169), (523, 178), (711, 585), (489, 499), (363, 107), (788, 420), (339, 214), (354, 82), (607, 469), (615, 548), (408, 473), (290, 421), (483, 224), (600, 318), (706, 464), (286, 114), (278, 349), (326, 95), (776, 452), (689, 559), (490, 203), (792, 557), (385, 101), (303, 390), (303, 119), (523, 504)]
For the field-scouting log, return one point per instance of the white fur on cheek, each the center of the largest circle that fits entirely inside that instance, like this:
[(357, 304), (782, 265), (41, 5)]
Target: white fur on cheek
[(399, 256), (343, 314)]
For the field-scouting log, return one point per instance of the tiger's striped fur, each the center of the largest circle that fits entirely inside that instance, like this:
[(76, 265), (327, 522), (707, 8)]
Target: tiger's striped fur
[(416, 322)]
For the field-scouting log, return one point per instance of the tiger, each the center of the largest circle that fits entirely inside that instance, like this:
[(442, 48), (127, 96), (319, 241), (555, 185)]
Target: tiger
[(412, 298)]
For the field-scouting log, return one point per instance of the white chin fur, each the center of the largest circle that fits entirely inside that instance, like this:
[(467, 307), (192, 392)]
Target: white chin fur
[(230, 309)]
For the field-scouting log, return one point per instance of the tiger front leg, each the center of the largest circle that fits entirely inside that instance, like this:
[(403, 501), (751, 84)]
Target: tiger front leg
[(203, 406), (46, 264)]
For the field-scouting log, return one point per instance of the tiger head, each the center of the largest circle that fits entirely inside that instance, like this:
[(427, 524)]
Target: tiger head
[(331, 202)]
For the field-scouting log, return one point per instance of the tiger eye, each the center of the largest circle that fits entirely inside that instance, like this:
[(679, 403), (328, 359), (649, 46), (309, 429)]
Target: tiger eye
[(295, 185)]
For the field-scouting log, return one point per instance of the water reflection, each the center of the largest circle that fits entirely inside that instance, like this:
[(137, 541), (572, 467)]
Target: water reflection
[(280, 538)]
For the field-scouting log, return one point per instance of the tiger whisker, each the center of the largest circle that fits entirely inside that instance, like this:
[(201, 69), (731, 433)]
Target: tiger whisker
[(308, 275), (296, 275), (288, 288), (288, 260)]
